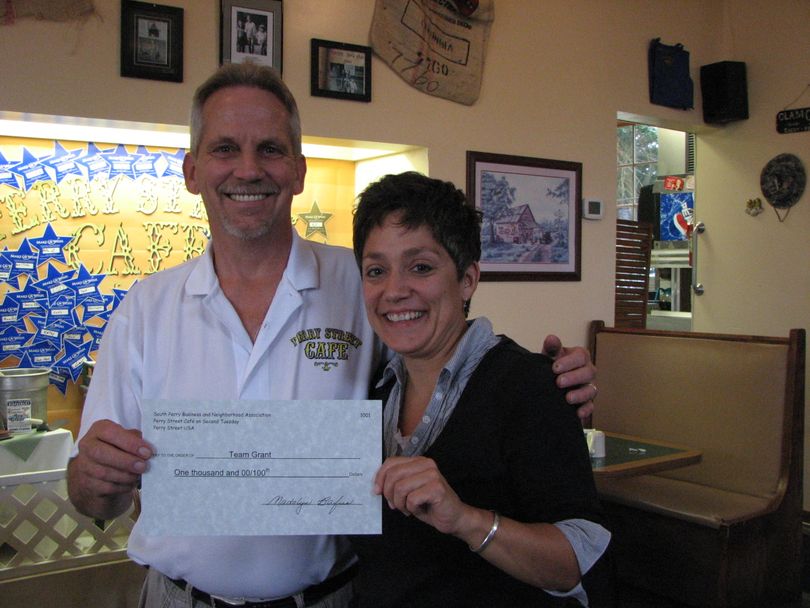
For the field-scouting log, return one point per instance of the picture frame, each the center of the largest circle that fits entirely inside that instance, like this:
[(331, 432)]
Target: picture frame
[(340, 70), (151, 41), (251, 30), (532, 216)]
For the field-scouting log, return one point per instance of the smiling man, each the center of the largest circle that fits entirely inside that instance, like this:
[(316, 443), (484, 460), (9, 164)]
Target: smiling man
[(262, 315)]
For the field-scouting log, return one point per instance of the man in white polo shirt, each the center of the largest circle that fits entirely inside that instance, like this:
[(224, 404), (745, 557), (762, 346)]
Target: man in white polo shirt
[(262, 314)]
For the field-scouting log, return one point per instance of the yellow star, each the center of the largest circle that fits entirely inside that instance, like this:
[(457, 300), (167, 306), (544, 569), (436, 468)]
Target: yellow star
[(316, 221)]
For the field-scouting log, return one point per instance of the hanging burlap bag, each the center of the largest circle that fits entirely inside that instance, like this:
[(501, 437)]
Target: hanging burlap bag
[(432, 46), (49, 10)]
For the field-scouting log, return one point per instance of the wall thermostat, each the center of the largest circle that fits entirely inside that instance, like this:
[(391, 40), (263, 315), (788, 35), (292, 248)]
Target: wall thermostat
[(592, 209)]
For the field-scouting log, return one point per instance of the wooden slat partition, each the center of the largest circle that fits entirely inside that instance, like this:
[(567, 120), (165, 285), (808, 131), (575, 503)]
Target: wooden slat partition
[(633, 246)]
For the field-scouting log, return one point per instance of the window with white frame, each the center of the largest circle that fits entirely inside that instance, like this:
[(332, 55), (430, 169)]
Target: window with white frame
[(636, 165)]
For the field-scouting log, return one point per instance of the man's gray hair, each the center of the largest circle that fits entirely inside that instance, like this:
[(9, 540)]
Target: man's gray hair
[(246, 74)]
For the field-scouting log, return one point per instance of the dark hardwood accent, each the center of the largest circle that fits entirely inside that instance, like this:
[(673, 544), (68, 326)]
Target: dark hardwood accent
[(633, 248)]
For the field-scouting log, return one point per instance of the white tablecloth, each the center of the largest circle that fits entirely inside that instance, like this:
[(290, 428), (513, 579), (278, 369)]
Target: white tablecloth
[(51, 450)]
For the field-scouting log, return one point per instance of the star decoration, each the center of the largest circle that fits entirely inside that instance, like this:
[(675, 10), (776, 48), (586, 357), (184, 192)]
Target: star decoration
[(85, 284), (6, 175), (172, 164), (30, 299), (30, 169), (121, 161), (95, 333), (6, 266), (39, 354), (315, 220), (23, 261), (94, 305), (55, 281), (53, 331), (43, 321), (50, 246), (145, 163), (72, 362), (62, 162), (10, 315), (95, 161), (11, 342)]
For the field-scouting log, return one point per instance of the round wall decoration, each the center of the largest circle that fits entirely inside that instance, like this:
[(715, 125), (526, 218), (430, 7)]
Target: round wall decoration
[(782, 182)]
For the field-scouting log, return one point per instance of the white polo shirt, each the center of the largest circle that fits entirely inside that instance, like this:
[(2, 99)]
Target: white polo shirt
[(176, 336)]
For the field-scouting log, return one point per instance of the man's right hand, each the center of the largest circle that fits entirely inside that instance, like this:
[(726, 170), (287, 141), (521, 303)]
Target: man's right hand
[(107, 469)]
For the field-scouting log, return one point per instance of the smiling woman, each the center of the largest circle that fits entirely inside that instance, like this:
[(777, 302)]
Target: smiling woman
[(414, 298), (480, 444)]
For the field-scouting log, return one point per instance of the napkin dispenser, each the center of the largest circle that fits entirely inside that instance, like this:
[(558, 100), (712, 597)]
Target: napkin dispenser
[(596, 442)]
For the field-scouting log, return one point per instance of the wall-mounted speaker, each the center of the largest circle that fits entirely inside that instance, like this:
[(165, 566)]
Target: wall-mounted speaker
[(725, 92)]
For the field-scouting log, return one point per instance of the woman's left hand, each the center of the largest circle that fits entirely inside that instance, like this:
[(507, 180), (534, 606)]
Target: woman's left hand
[(536, 553), (415, 486)]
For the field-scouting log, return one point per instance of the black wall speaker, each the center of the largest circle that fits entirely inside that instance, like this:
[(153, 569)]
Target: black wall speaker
[(725, 91)]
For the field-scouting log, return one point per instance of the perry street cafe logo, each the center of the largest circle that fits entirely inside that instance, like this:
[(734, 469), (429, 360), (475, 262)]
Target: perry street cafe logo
[(326, 346)]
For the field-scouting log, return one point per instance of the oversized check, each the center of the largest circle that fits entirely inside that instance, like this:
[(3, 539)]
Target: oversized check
[(261, 467)]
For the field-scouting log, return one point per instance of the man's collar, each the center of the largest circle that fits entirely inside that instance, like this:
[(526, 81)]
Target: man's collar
[(301, 271)]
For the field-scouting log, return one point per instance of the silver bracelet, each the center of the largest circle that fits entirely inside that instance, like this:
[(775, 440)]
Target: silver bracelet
[(490, 535)]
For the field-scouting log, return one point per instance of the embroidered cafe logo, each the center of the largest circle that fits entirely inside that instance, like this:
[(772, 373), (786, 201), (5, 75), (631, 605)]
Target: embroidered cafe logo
[(326, 347)]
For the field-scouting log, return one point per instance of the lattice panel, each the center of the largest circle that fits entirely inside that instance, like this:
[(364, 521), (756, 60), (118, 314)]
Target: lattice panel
[(41, 531)]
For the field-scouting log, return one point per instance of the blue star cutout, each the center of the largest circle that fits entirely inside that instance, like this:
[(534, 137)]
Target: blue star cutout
[(6, 266), (73, 359), (55, 281), (85, 284), (7, 176), (52, 331), (121, 161), (146, 163), (95, 333), (62, 163), (39, 354), (39, 322), (50, 246), (59, 378), (172, 164), (30, 169), (104, 315), (12, 341), (23, 261), (63, 307), (10, 315), (94, 306), (76, 335), (30, 299), (95, 162), (118, 295)]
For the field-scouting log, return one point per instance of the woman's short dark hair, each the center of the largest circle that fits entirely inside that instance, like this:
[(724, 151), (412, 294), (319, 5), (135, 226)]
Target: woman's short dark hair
[(421, 201)]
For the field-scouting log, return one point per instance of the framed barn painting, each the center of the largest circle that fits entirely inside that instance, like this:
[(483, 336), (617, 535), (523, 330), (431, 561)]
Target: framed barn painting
[(532, 217)]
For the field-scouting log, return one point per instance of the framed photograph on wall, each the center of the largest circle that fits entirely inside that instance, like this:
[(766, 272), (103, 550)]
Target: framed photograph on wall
[(532, 217), (340, 70), (151, 41), (251, 31)]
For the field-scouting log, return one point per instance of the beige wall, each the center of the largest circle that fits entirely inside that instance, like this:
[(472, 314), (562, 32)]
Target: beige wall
[(557, 72)]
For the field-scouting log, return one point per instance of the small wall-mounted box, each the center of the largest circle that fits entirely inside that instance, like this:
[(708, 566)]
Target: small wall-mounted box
[(592, 209)]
